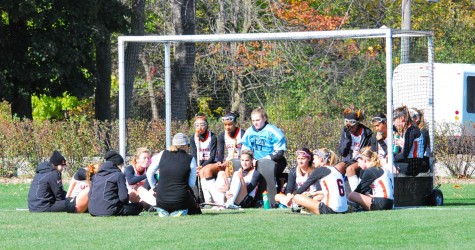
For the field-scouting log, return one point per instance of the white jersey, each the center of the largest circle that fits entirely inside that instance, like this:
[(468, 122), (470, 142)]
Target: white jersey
[(300, 179), (381, 153), (75, 187), (203, 147), (382, 187), (333, 187), (231, 145), (248, 179), (356, 143)]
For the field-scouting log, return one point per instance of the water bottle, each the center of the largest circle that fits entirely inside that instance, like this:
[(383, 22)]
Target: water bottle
[(265, 198), (396, 147)]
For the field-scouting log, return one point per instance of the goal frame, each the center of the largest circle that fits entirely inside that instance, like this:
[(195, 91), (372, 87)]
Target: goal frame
[(386, 33)]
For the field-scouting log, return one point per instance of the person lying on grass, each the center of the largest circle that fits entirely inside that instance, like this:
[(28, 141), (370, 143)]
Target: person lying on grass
[(331, 197), (376, 180), (46, 191), (77, 196)]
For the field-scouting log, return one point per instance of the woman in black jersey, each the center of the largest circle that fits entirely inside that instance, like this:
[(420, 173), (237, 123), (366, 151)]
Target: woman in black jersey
[(298, 175), (410, 143), (330, 197), (375, 191)]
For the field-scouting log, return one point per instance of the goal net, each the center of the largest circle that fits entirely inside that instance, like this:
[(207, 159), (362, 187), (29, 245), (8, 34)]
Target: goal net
[(292, 75)]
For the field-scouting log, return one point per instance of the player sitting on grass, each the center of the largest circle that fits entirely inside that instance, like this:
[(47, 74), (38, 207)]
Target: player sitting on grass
[(243, 189), (46, 191), (332, 197), (77, 196), (376, 180), (298, 175), (137, 184), (108, 192)]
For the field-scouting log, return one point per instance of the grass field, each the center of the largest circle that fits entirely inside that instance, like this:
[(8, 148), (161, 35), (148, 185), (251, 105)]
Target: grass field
[(451, 226)]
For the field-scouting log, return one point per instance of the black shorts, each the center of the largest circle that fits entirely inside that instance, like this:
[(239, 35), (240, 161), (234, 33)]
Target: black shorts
[(71, 205), (378, 203), (324, 209)]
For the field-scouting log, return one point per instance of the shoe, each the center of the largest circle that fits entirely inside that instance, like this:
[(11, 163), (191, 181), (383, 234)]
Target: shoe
[(179, 213), (295, 208), (217, 208), (152, 209), (282, 206), (162, 213), (232, 206)]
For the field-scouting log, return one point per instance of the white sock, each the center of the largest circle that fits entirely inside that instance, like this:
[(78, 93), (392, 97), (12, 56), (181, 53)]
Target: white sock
[(206, 191), (234, 188), (353, 181)]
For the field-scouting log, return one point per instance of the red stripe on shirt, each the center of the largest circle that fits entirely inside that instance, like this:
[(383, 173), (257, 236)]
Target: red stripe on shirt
[(385, 192), (328, 192)]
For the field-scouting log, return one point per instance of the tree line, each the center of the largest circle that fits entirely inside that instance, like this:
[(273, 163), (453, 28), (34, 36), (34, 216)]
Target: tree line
[(48, 47)]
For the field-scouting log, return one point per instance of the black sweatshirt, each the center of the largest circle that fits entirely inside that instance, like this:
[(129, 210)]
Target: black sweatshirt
[(108, 191), (45, 189)]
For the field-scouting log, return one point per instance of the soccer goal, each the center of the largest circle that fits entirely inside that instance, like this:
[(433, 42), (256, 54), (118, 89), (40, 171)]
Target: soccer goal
[(267, 62)]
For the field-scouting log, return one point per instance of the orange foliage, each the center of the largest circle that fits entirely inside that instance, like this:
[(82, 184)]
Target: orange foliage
[(304, 17)]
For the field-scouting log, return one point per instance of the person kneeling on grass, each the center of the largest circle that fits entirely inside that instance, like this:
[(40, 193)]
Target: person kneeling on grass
[(46, 191), (108, 192), (77, 196), (375, 179), (331, 199), (243, 187), (174, 194)]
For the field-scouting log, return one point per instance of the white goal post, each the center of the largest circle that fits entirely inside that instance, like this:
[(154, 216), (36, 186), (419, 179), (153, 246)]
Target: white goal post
[(385, 33)]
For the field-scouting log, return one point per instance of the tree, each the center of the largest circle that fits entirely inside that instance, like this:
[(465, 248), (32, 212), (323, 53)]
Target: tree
[(183, 14), (45, 49), (110, 17)]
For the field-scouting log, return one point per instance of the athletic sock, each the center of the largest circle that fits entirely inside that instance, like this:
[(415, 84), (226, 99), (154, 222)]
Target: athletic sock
[(206, 192), (353, 181), (234, 189), (218, 197)]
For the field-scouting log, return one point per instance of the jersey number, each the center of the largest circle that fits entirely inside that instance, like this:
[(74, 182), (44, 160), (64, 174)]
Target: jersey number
[(341, 187)]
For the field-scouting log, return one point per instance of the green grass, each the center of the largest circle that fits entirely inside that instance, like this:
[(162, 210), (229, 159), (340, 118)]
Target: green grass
[(447, 227)]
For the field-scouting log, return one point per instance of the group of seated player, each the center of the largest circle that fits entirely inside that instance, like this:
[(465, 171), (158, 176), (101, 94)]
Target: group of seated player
[(232, 170)]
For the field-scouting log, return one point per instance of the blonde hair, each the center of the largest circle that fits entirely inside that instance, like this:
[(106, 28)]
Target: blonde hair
[(260, 111), (372, 156), (417, 113), (328, 155), (175, 148), (91, 170), (246, 152), (137, 154)]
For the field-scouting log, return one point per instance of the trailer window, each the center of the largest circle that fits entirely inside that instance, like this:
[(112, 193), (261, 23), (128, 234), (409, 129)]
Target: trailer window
[(471, 94)]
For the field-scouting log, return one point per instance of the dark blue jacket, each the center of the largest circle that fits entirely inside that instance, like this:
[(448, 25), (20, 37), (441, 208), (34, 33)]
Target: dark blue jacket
[(45, 189), (108, 191)]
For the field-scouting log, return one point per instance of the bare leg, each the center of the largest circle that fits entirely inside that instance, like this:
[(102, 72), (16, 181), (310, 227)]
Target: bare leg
[(361, 199), (134, 196), (307, 203), (147, 196), (281, 198), (82, 201)]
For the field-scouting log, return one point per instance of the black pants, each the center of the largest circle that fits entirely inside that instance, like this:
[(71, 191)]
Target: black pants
[(189, 203), (58, 206), (129, 209)]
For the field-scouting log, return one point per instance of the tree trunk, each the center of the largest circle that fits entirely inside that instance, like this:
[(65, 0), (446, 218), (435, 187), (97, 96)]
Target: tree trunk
[(132, 52), (104, 71), (21, 104), (149, 71), (182, 68)]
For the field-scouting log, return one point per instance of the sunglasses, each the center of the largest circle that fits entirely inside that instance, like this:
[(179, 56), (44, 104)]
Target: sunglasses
[(302, 153), (350, 122), (200, 124), (227, 118), (378, 119)]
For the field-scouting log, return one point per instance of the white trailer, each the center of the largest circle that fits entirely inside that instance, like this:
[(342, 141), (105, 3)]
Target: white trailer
[(452, 97)]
